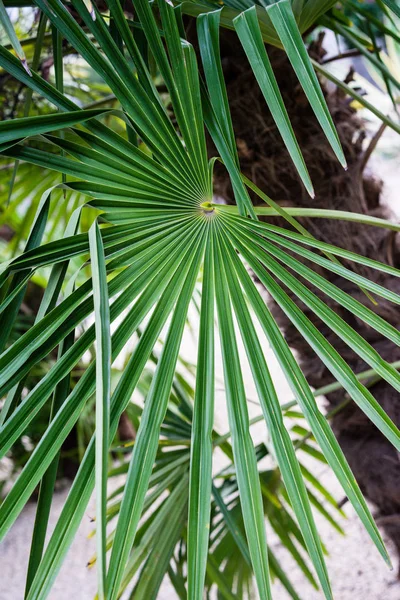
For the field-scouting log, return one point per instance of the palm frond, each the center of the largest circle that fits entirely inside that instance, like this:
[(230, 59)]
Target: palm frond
[(155, 229)]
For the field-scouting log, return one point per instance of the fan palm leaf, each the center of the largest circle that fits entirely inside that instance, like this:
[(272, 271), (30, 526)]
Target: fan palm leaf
[(159, 228)]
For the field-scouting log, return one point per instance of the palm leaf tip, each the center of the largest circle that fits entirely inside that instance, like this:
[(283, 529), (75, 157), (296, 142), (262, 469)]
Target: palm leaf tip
[(283, 20)]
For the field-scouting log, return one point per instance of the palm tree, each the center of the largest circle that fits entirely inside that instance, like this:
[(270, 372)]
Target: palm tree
[(156, 228)]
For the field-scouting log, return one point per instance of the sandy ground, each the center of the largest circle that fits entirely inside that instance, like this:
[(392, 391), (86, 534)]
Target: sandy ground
[(355, 568)]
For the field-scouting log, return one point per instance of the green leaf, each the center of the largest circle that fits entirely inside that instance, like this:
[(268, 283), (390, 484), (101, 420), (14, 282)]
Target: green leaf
[(15, 129), (34, 239), (84, 482), (157, 562), (153, 273), (319, 213), (68, 414), (232, 525), (243, 448), (94, 171), (47, 484), (393, 7), (263, 228), (216, 576), (306, 400), (158, 233), (216, 109), (248, 30), (172, 508), (103, 384), (371, 18), (331, 357), (61, 392), (312, 10), (145, 79), (333, 291), (281, 575), (40, 35), (358, 97), (372, 58), (208, 27), (201, 443), (321, 489), (145, 448), (281, 441), (12, 36), (186, 79), (285, 24), (287, 534), (149, 119)]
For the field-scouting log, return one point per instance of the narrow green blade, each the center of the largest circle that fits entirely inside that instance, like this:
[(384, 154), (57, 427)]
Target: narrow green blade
[(14, 129), (329, 355), (84, 482), (61, 392), (201, 446), (103, 385), (282, 443), (393, 6), (12, 36), (151, 278), (34, 240), (282, 17), (248, 30), (68, 414), (306, 400), (208, 28), (146, 442), (186, 79), (215, 106), (243, 448)]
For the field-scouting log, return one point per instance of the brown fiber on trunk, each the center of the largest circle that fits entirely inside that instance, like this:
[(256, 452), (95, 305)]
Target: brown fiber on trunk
[(265, 160)]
